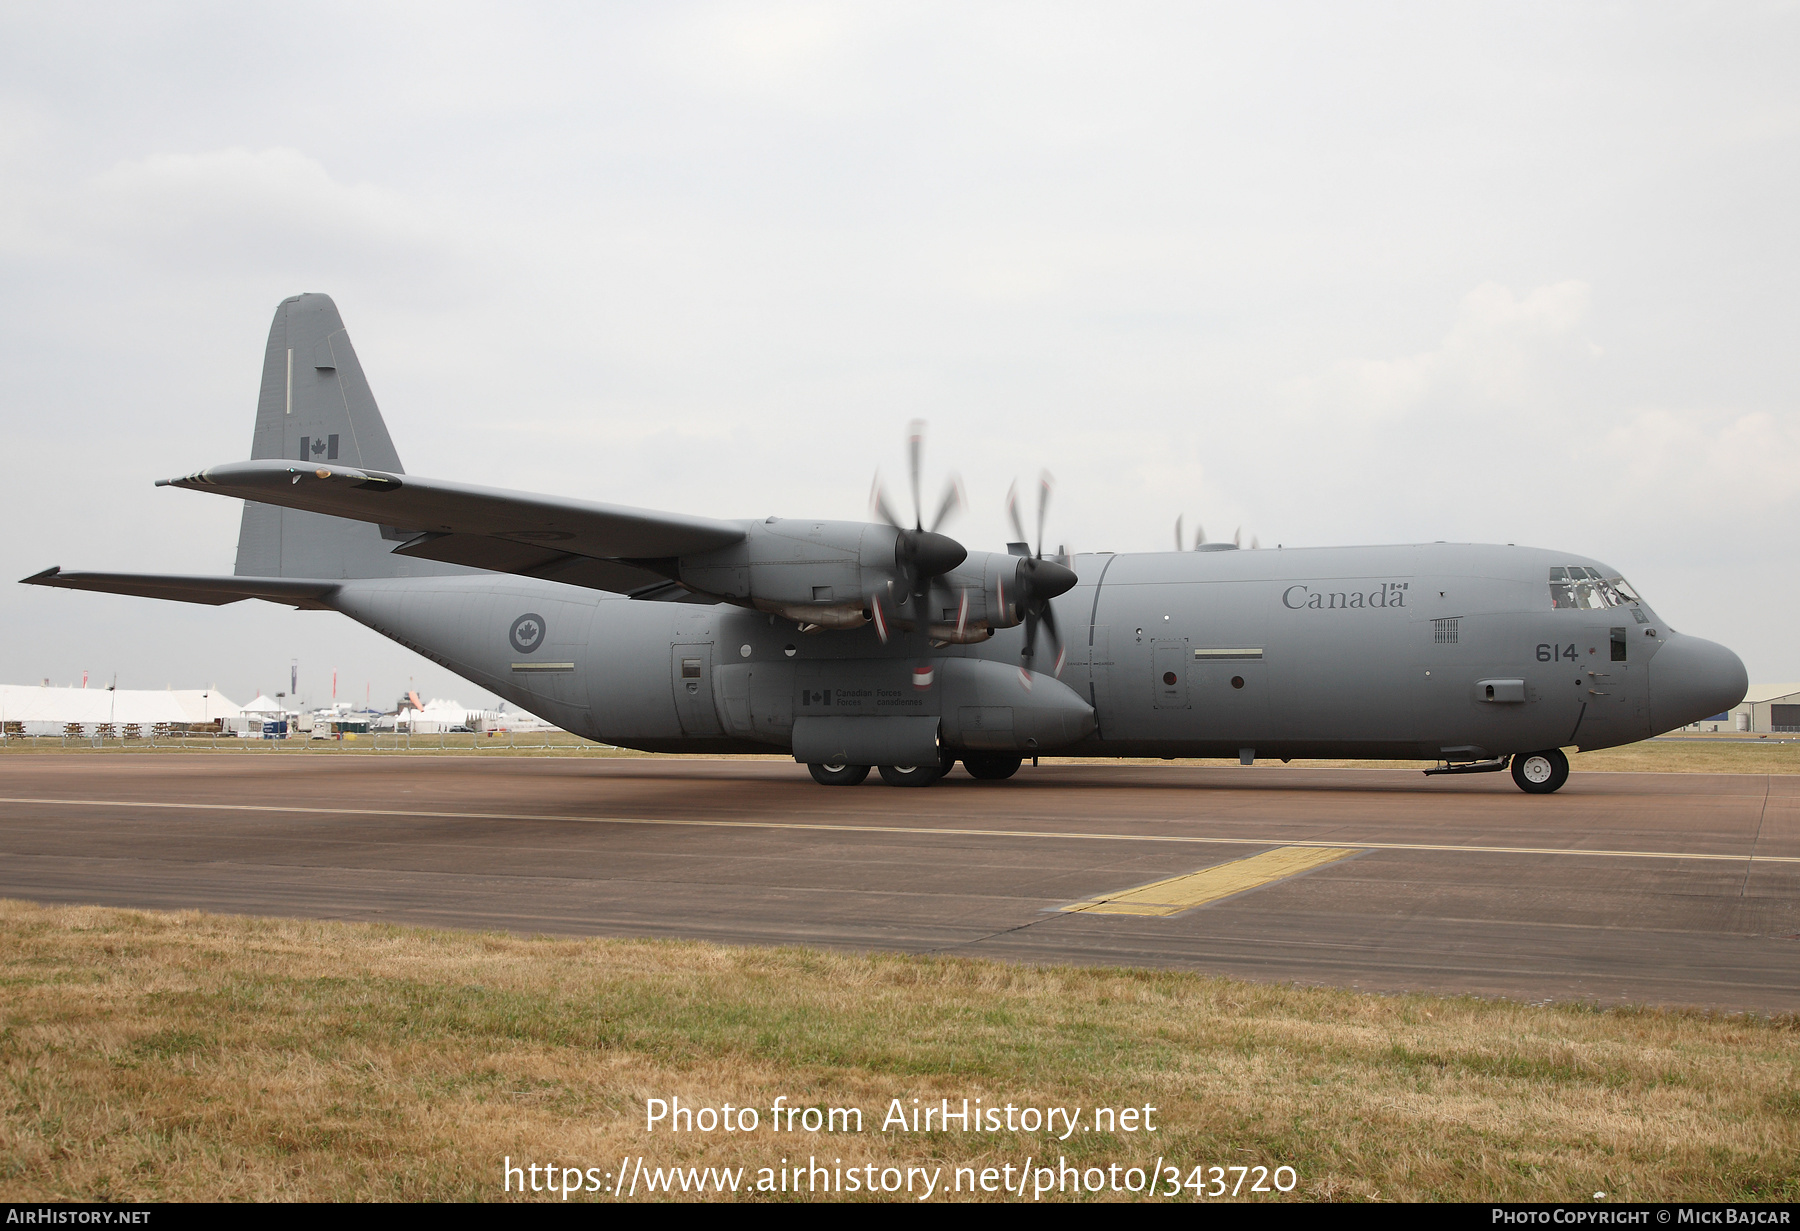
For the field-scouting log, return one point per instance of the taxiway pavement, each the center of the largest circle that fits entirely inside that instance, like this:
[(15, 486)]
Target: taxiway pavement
[(1670, 889)]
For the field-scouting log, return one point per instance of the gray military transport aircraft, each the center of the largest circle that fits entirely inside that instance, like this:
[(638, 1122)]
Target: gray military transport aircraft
[(875, 644)]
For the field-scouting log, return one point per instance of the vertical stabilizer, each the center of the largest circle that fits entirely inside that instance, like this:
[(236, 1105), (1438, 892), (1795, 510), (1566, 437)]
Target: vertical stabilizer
[(316, 406)]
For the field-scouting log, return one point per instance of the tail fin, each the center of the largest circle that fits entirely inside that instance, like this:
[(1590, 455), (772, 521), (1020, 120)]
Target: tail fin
[(316, 406)]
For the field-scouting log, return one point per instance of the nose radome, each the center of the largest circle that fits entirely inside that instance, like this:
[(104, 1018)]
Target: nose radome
[(1691, 679)]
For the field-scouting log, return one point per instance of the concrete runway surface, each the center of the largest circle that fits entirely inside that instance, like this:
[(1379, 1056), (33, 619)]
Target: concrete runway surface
[(1669, 889)]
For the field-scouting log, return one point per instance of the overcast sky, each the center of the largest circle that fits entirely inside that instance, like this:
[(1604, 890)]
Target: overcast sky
[(1336, 274)]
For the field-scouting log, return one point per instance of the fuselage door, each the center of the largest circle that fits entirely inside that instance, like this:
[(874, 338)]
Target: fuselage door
[(1169, 659), (691, 664), (1617, 688)]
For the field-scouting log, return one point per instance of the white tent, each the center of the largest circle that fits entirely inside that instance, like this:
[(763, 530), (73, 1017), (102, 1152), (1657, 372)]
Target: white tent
[(205, 705), (250, 718), (41, 710), (439, 715)]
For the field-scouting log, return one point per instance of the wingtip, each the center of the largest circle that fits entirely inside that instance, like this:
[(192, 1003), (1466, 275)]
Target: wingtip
[(39, 578)]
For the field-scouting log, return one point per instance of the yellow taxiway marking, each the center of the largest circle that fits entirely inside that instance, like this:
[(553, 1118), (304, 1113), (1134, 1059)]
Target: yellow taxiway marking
[(920, 830), (1179, 893)]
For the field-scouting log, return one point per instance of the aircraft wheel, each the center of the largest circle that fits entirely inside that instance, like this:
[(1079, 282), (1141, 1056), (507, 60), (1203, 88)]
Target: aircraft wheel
[(911, 775), (1539, 773), (838, 775), (991, 766)]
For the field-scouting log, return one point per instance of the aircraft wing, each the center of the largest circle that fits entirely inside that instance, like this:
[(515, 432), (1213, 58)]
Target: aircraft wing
[(600, 546), (213, 591)]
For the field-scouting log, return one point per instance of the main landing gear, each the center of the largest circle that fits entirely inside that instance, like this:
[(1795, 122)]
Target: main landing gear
[(838, 775), (1539, 773), (988, 766), (893, 775), (911, 775), (991, 766)]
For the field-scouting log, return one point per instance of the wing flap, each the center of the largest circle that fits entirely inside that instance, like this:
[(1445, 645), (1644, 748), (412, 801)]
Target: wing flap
[(533, 560)]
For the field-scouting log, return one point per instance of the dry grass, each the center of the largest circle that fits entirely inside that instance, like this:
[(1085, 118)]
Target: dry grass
[(186, 1056), (1696, 756)]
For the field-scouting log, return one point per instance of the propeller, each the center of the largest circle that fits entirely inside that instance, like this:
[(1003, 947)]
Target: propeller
[(1038, 580), (1237, 537), (919, 554)]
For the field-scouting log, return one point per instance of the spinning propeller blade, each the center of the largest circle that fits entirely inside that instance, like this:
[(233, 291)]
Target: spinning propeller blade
[(952, 503), (1039, 581), (878, 504), (915, 444), (919, 554), (1199, 536), (1044, 482), (1012, 511)]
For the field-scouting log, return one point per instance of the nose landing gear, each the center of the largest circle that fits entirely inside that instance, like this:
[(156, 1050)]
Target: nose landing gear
[(1540, 773)]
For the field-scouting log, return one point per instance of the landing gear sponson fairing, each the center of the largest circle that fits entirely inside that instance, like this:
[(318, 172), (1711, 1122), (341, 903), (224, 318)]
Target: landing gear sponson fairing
[(854, 644)]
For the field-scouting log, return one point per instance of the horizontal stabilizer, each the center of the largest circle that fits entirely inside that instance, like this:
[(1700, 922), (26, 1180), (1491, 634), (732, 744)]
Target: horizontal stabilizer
[(574, 527), (213, 591)]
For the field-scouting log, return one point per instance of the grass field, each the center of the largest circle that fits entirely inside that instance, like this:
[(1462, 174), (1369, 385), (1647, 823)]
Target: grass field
[(185, 1056), (1778, 755)]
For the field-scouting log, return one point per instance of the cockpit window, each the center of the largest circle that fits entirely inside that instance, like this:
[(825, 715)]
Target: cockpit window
[(1577, 586)]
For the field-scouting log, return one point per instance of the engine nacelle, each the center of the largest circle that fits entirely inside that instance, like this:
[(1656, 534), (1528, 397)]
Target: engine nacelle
[(824, 574), (968, 603), (812, 572)]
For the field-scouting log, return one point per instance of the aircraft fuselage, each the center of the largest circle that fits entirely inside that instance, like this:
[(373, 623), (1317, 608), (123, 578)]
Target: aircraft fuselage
[(1435, 651)]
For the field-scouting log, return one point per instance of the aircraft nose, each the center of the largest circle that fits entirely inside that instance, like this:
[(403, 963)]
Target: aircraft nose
[(1691, 679)]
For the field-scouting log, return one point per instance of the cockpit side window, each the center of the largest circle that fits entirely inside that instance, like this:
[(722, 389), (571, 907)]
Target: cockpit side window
[(1578, 587)]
